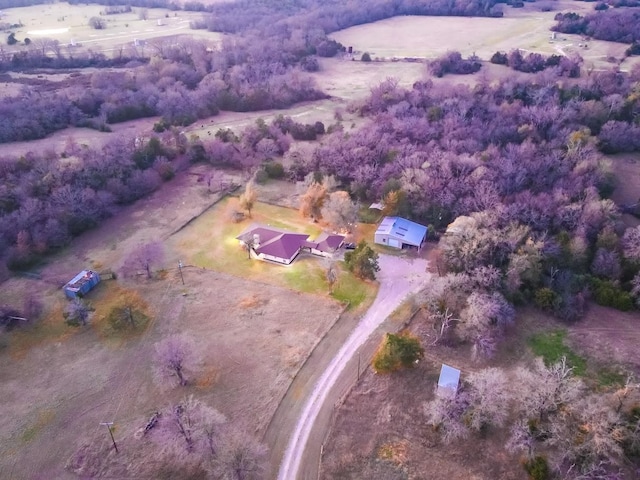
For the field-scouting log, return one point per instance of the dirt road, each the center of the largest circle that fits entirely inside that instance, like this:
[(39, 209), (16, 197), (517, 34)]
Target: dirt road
[(399, 278)]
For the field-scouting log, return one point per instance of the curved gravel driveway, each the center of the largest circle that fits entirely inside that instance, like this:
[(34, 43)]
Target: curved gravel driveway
[(399, 277)]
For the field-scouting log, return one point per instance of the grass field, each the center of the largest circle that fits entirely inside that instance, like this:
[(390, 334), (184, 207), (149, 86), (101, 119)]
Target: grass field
[(551, 347), (527, 29), (69, 24), (210, 242), (250, 339)]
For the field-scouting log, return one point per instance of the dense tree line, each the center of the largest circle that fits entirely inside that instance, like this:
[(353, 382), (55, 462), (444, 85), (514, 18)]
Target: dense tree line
[(520, 159), (23, 3), (46, 200), (184, 83), (535, 62), (330, 16), (614, 25), (452, 62)]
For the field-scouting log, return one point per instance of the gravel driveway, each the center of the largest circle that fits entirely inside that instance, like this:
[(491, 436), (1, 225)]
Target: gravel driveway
[(399, 277)]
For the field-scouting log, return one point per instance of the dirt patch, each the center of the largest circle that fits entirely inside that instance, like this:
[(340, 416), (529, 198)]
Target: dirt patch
[(608, 336)]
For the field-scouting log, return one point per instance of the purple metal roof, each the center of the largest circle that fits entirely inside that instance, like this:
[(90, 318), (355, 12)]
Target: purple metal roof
[(329, 242), (285, 245), (265, 233)]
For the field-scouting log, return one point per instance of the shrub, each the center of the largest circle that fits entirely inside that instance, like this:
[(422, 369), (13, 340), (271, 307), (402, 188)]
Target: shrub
[(634, 49), (537, 468), (362, 262), (608, 294), (97, 23), (261, 176), (274, 169), (365, 57), (396, 352), (545, 298), (129, 313), (499, 58)]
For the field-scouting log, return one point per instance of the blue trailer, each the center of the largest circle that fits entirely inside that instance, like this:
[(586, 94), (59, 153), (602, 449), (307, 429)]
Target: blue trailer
[(81, 284)]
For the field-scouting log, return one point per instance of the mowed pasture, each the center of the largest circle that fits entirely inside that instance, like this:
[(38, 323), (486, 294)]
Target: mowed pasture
[(59, 383), (210, 242), (526, 29), (69, 24)]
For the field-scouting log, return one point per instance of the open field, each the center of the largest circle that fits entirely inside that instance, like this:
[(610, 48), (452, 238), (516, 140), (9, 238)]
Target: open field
[(69, 24), (428, 37), (209, 242), (59, 382)]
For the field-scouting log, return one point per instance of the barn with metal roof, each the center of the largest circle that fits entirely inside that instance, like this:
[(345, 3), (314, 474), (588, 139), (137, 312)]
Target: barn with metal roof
[(399, 232)]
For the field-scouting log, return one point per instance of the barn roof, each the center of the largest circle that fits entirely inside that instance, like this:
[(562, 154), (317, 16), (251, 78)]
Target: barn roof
[(449, 380), (405, 230)]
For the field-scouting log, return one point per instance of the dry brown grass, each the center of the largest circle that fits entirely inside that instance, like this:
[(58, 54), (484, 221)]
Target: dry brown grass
[(49, 330), (394, 452), (207, 378), (252, 301)]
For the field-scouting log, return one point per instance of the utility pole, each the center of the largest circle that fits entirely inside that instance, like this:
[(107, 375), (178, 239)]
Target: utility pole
[(180, 268), (108, 425)]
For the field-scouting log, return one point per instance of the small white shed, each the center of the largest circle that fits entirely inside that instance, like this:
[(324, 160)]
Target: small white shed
[(448, 381)]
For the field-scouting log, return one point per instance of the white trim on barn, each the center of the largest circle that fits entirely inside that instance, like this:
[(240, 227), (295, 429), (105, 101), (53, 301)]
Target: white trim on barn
[(398, 232)]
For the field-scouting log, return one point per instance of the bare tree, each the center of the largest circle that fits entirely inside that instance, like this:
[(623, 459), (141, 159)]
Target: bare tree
[(590, 431), (446, 414), (484, 320), (129, 312), (241, 457), (143, 257), (545, 389), (489, 399), (339, 211), (312, 201), (332, 276), (77, 312), (248, 198), (173, 356), (190, 427)]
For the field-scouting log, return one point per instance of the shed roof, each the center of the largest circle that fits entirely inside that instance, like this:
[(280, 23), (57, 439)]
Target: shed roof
[(405, 230), (449, 380), (80, 279)]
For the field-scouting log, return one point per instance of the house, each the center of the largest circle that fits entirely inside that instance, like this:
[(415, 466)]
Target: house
[(275, 245), (81, 284), (326, 244), (281, 246), (399, 232), (448, 381)]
